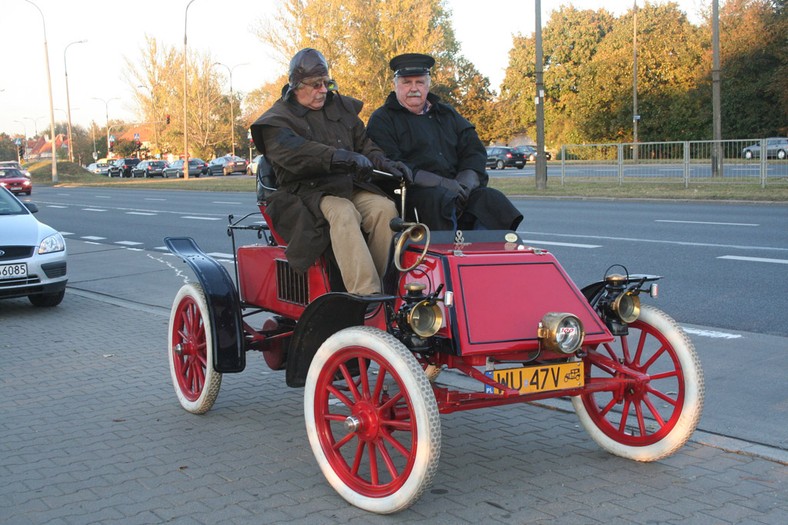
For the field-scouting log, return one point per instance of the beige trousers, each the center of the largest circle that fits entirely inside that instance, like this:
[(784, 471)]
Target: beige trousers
[(362, 261)]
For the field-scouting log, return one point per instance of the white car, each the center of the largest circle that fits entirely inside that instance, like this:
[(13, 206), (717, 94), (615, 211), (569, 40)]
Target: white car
[(32, 254)]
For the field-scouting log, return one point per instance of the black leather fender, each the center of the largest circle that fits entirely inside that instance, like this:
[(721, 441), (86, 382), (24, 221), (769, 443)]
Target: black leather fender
[(322, 318), (223, 304)]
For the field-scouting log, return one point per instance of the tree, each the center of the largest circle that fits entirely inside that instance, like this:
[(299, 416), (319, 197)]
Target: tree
[(359, 37), (754, 68), (158, 88)]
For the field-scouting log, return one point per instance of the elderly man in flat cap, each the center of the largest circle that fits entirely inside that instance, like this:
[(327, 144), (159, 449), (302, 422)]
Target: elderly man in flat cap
[(322, 158), (449, 186)]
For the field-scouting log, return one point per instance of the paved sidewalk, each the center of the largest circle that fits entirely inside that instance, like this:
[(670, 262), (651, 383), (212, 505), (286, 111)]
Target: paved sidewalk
[(91, 432)]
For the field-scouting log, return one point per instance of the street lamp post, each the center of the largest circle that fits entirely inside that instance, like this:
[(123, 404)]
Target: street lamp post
[(185, 97), (68, 100), (232, 101), (635, 116), (106, 115), (49, 84), (540, 171)]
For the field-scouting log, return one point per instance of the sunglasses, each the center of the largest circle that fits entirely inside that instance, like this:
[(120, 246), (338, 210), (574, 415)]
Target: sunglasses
[(329, 84)]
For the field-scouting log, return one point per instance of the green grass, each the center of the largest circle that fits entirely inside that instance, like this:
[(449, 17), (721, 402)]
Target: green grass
[(70, 174)]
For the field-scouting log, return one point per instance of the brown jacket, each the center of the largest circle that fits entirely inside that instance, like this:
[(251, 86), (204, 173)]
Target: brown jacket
[(299, 143)]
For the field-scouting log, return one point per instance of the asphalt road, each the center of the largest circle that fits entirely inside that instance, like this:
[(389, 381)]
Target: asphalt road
[(724, 265)]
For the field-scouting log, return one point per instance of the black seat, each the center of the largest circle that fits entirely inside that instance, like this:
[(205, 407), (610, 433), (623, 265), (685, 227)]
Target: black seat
[(266, 180)]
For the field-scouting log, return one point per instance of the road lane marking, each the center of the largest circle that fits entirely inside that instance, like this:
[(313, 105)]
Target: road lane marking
[(226, 202), (221, 255), (128, 243), (753, 259), (92, 209), (709, 222), (153, 199), (711, 333), (568, 244), (657, 241), (201, 218), (140, 213), (56, 206), (92, 238)]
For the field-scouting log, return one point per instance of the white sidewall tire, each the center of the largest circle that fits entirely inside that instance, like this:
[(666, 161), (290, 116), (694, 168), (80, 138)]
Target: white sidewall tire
[(213, 379), (425, 410), (694, 393)]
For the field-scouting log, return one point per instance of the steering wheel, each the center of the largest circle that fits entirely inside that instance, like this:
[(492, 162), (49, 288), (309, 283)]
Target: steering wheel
[(417, 232)]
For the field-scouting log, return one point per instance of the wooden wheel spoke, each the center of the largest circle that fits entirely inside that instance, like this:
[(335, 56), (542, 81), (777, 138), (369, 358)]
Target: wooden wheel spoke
[(654, 412), (666, 398), (654, 357), (373, 463), (340, 395), (396, 444)]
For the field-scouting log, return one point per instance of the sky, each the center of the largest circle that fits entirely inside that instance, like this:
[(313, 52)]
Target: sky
[(115, 32)]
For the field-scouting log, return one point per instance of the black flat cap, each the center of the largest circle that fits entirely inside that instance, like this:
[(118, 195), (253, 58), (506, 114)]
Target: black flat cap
[(411, 65)]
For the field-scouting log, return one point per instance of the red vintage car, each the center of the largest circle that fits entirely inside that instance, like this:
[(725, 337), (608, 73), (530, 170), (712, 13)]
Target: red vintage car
[(482, 303)]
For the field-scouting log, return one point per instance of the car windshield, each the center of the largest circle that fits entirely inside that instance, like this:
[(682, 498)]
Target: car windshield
[(9, 205), (10, 173)]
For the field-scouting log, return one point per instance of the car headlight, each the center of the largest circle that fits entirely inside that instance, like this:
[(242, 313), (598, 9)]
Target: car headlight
[(53, 243), (561, 332), (425, 319)]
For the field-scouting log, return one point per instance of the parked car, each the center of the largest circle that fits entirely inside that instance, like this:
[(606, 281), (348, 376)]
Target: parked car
[(99, 168), (499, 157), (15, 181), (197, 167), (32, 254), (122, 167), (149, 168), (227, 165), (252, 168), (776, 147), (529, 152)]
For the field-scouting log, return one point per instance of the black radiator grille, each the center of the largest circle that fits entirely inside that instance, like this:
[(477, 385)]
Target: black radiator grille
[(15, 252), (291, 287)]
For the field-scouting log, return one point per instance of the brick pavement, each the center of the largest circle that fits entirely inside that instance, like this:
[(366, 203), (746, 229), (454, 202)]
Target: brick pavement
[(91, 432)]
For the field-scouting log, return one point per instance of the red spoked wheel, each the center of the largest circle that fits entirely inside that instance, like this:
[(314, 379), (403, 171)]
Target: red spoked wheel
[(191, 359), (372, 419), (653, 415)]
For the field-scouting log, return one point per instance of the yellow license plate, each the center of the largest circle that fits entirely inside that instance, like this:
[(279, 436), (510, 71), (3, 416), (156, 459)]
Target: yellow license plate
[(538, 378)]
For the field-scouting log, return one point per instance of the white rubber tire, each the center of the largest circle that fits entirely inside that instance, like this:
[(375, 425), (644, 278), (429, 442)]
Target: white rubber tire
[(690, 409), (193, 328), (386, 349)]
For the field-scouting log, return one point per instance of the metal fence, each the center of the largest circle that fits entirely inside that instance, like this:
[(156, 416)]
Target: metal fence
[(705, 161)]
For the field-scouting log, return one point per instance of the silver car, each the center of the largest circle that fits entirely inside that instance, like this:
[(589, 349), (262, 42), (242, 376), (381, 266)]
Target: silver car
[(776, 147), (32, 254)]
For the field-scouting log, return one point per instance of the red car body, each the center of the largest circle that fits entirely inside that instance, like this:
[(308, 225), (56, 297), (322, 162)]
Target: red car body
[(16, 182)]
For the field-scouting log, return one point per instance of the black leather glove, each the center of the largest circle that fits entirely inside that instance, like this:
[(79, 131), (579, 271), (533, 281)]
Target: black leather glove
[(427, 179), (356, 164), (395, 167), (468, 181)]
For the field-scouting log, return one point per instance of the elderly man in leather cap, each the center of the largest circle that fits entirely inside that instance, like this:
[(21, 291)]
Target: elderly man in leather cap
[(322, 158), (449, 186)]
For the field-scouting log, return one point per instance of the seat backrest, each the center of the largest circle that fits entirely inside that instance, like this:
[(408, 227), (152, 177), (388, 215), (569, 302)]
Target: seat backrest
[(266, 185), (266, 180)]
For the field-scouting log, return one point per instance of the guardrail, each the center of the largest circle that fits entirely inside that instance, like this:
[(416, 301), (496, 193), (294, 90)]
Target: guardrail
[(688, 162)]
